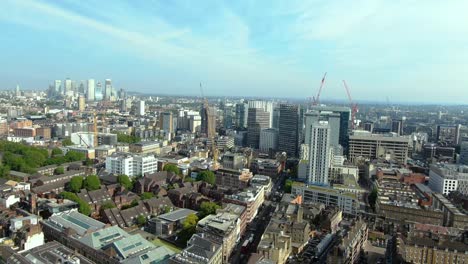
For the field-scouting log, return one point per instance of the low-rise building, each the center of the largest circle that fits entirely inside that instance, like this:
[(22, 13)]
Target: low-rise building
[(252, 198), (131, 165), (349, 248), (199, 250), (168, 223), (233, 179)]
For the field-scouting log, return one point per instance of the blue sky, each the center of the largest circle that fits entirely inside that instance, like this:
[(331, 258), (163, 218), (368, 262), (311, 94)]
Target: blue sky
[(409, 50)]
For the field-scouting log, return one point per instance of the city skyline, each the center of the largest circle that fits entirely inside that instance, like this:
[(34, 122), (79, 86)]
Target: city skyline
[(282, 50)]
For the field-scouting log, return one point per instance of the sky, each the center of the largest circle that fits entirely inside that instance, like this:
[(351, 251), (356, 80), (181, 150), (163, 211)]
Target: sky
[(408, 50)]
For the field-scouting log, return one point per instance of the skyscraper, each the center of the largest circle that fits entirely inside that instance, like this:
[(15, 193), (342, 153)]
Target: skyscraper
[(227, 117), (397, 126), (319, 152), (268, 140), (258, 119), (288, 134), (98, 95), (345, 114), (141, 108), (108, 89), (90, 90), (57, 86), (81, 103), (208, 120), (18, 91), (241, 115), (68, 86), (333, 120), (266, 106)]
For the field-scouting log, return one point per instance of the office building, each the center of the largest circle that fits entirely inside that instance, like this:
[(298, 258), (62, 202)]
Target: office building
[(333, 120), (288, 133), (241, 115), (266, 106), (57, 86), (446, 178), (90, 90), (107, 89), (228, 117), (131, 165), (208, 120), (81, 103), (464, 153), (166, 122), (397, 126), (68, 87), (268, 140), (258, 119), (140, 109), (344, 113), (448, 135), (319, 153), (363, 144), (276, 118), (233, 161), (98, 93)]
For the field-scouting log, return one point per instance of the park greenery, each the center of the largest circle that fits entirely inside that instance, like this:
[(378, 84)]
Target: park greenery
[(90, 183), (125, 181), (23, 158)]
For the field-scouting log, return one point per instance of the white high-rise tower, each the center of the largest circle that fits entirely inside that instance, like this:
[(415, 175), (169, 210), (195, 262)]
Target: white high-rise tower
[(319, 152), (90, 91)]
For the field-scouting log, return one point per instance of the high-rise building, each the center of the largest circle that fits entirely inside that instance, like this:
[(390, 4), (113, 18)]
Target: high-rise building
[(345, 114), (464, 153), (141, 108), (166, 122), (18, 91), (241, 115), (333, 120), (68, 86), (266, 106), (90, 90), (288, 134), (208, 120), (228, 117), (81, 88), (81, 103), (276, 118), (258, 119), (98, 95), (108, 89), (319, 152), (58, 86), (268, 140)]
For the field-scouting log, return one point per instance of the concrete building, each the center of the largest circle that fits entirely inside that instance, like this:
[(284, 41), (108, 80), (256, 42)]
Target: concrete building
[(446, 178), (169, 223), (25, 132), (349, 248), (208, 120), (252, 198), (319, 153), (233, 161), (233, 179), (333, 120), (199, 250), (140, 108), (262, 181), (107, 89), (166, 122), (131, 165), (327, 113), (258, 119), (345, 201), (81, 103), (448, 134), (266, 106), (90, 90), (223, 229), (289, 133), (363, 144), (268, 140), (464, 153), (145, 147)]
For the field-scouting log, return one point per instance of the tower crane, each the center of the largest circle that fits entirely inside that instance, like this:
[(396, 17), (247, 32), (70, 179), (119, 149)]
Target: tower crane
[(211, 127), (354, 106), (316, 99)]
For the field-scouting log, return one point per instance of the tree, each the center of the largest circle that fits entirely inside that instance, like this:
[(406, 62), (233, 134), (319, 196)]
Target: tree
[(125, 181), (123, 138), (146, 195), (56, 152), (72, 156), (288, 186), (188, 228), (67, 142), (75, 184), (107, 205), (92, 182), (141, 220), (83, 207), (372, 198), (207, 208), (171, 168), (207, 176), (59, 170)]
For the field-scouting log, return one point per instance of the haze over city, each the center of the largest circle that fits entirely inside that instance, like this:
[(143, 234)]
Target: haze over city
[(408, 51)]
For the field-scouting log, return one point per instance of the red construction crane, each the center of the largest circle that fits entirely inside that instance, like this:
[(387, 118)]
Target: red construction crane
[(354, 106), (316, 99)]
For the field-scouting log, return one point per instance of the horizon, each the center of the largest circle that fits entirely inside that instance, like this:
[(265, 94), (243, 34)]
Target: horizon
[(249, 47)]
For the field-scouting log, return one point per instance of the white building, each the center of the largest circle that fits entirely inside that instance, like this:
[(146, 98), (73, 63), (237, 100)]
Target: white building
[(131, 165), (141, 108), (90, 90), (268, 139), (319, 152), (445, 178), (7, 199)]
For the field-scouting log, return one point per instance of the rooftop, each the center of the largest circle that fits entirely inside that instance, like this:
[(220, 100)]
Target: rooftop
[(177, 215), (75, 221)]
